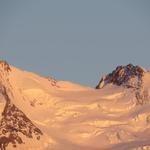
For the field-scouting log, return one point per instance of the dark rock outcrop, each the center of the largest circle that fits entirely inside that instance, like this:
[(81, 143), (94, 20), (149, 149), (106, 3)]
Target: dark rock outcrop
[(5, 65), (53, 82), (129, 76), (13, 123)]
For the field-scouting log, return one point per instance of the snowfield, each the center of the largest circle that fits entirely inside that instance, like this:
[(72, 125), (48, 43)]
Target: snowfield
[(66, 116)]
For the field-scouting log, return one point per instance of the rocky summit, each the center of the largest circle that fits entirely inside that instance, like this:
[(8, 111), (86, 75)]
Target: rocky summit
[(129, 76), (40, 113)]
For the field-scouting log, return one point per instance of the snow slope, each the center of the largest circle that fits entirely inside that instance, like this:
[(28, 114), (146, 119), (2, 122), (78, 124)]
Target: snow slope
[(60, 115)]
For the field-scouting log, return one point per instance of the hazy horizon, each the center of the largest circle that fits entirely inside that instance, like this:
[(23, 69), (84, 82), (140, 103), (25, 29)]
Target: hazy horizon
[(77, 41)]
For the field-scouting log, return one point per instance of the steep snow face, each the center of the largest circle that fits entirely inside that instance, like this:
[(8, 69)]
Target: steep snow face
[(68, 116)]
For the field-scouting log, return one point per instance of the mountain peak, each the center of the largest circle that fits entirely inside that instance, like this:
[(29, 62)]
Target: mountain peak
[(128, 76), (36, 112), (4, 66)]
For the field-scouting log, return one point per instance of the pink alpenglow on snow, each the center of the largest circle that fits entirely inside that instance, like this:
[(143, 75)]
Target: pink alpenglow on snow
[(39, 113)]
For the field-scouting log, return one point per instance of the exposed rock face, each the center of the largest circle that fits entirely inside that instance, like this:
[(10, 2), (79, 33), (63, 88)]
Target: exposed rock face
[(129, 76), (14, 124), (142, 96), (5, 65), (53, 81)]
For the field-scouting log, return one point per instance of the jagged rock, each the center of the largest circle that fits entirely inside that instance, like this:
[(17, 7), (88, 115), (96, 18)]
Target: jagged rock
[(53, 82), (142, 96), (128, 76), (14, 122), (5, 65)]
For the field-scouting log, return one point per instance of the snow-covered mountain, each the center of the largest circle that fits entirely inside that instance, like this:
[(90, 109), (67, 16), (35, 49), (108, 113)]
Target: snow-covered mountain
[(39, 113)]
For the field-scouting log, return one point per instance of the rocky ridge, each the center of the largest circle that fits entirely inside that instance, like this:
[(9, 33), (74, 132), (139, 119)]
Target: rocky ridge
[(14, 122), (129, 76)]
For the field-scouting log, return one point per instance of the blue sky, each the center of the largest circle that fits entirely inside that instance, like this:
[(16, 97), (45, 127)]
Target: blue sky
[(76, 40)]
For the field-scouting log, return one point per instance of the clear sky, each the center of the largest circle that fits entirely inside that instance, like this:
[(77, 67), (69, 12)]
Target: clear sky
[(76, 40)]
